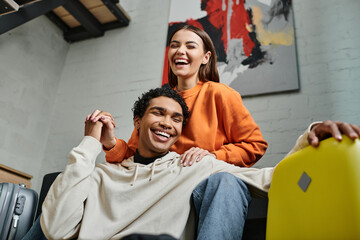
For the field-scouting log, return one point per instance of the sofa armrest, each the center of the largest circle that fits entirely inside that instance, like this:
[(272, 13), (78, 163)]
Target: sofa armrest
[(46, 184)]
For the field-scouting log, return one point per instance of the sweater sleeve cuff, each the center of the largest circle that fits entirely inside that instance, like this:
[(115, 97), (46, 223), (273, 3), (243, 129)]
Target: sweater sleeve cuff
[(113, 149), (113, 154), (87, 150), (220, 154), (91, 144), (302, 141)]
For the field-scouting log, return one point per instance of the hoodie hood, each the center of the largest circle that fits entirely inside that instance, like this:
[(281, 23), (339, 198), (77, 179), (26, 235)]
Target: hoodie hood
[(164, 162)]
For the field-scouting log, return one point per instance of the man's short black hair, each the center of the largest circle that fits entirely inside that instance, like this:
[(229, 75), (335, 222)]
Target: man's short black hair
[(143, 102)]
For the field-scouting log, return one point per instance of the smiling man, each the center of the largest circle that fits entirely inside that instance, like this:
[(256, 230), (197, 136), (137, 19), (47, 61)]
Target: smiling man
[(148, 193)]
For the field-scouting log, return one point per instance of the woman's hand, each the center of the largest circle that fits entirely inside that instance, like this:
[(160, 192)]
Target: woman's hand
[(334, 129), (194, 154), (107, 138)]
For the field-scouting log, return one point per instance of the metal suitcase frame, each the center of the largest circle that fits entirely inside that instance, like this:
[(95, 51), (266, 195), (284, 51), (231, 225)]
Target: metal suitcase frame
[(17, 210)]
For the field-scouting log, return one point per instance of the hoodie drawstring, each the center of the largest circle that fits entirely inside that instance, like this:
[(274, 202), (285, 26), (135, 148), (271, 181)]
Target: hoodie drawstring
[(152, 170), (135, 174), (137, 170), (153, 166)]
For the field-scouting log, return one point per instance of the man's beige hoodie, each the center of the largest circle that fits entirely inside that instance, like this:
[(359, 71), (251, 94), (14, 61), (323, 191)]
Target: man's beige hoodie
[(109, 201)]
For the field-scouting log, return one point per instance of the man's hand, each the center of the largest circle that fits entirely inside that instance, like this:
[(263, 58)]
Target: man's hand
[(107, 138), (194, 154), (334, 129)]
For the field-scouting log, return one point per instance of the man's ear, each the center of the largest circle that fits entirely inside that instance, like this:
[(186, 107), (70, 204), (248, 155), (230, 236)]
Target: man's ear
[(137, 121)]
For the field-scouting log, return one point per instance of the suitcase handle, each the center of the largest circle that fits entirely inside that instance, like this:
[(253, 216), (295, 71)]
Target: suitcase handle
[(14, 226), (19, 208)]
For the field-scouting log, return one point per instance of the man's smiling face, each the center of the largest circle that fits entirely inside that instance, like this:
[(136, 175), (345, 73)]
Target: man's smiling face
[(160, 127)]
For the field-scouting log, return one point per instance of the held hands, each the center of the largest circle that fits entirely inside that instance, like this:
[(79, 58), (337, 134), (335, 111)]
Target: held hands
[(194, 154), (334, 129), (104, 121)]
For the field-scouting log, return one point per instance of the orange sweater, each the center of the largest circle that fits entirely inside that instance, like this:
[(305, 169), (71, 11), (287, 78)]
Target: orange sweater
[(219, 123)]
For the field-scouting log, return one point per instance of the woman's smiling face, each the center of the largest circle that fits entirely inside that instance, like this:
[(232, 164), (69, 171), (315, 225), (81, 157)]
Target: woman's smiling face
[(186, 54)]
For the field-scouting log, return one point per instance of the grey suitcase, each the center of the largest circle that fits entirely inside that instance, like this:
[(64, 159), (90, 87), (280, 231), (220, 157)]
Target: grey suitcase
[(17, 210)]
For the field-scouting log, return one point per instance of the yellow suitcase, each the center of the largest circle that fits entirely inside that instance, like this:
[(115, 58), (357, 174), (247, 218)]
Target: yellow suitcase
[(315, 193)]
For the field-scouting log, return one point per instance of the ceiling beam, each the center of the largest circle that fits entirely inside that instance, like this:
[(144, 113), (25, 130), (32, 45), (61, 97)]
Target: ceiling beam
[(118, 11), (8, 6), (77, 34), (24, 2), (27, 13), (80, 33), (112, 25), (58, 22), (86, 19)]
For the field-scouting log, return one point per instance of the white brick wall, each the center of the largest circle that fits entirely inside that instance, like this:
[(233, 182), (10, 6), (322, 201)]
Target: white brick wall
[(327, 34), (109, 73), (31, 61)]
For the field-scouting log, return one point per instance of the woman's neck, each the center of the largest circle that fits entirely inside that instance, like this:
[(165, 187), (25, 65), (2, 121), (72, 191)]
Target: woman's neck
[(186, 84)]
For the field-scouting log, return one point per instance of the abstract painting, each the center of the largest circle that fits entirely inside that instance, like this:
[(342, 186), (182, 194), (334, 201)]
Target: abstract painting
[(254, 41)]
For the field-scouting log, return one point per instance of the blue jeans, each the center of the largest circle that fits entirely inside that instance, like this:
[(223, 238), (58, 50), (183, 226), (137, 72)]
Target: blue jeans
[(221, 203), (35, 232)]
